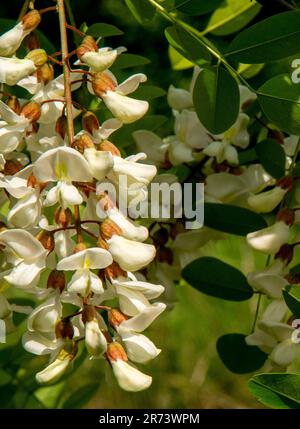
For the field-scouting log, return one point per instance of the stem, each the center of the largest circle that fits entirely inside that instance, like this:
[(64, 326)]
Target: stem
[(66, 71), (78, 224), (24, 9), (256, 312)]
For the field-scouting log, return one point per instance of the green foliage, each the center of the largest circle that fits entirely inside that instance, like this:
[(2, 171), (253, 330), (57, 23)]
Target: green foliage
[(81, 396), (279, 98), (233, 219), (274, 38), (196, 7), (277, 390), (215, 278), (291, 295), (237, 356), (103, 30), (272, 157), (141, 10), (216, 99)]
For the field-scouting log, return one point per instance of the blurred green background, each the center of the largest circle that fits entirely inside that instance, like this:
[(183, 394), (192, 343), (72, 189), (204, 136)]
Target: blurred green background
[(188, 373)]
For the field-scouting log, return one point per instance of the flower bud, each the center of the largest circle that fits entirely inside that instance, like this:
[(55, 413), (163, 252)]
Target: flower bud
[(32, 42), (31, 111), (287, 216), (88, 45), (116, 352), (84, 141), (88, 313), (164, 254), (63, 217), (53, 372), (161, 237), (32, 181), (47, 240), (109, 228), (14, 104), (102, 82), (90, 122), (102, 243), (45, 73), (38, 56), (114, 270), (31, 20), (56, 280), (116, 317), (64, 329), (176, 229), (12, 166), (105, 202), (109, 147), (79, 247), (285, 253), (61, 126)]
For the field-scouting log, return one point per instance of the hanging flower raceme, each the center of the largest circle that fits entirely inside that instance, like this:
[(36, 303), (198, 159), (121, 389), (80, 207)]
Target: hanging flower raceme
[(55, 242)]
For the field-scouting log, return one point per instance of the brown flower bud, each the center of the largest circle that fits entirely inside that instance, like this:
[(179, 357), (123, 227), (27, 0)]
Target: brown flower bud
[(79, 247), (32, 181), (90, 122), (164, 254), (12, 166), (286, 215), (176, 229), (277, 135), (109, 147), (31, 20), (161, 237), (116, 352), (45, 73), (47, 240), (114, 270), (88, 45), (287, 183), (82, 142), (293, 279), (109, 228), (102, 243), (38, 56), (32, 41), (61, 126), (88, 313), (285, 253), (56, 280), (31, 111), (102, 82), (63, 217), (116, 317), (64, 329), (13, 104)]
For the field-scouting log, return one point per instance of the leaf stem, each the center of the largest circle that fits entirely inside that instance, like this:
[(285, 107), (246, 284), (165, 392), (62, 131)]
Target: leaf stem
[(66, 70)]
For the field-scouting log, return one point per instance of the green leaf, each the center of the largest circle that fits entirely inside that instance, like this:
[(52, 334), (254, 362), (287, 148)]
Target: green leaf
[(232, 16), (149, 92), (103, 30), (272, 39), (291, 295), (215, 278), (279, 98), (247, 156), (272, 157), (277, 390), (216, 99), (188, 46), (232, 219), (81, 396), (141, 10), (237, 356), (178, 62), (197, 7), (130, 60)]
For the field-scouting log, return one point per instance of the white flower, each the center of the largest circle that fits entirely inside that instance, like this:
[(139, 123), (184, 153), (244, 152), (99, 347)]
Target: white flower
[(129, 229), (12, 70), (100, 162), (152, 145), (11, 40), (12, 129), (101, 60), (273, 336), (27, 255), (95, 341), (124, 108), (6, 315), (270, 280), (267, 201), (179, 99), (130, 378), (62, 165), (56, 369), (84, 280), (130, 255), (270, 239)]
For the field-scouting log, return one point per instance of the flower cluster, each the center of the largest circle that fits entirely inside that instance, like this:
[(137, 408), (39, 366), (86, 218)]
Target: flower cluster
[(216, 161), (58, 227)]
